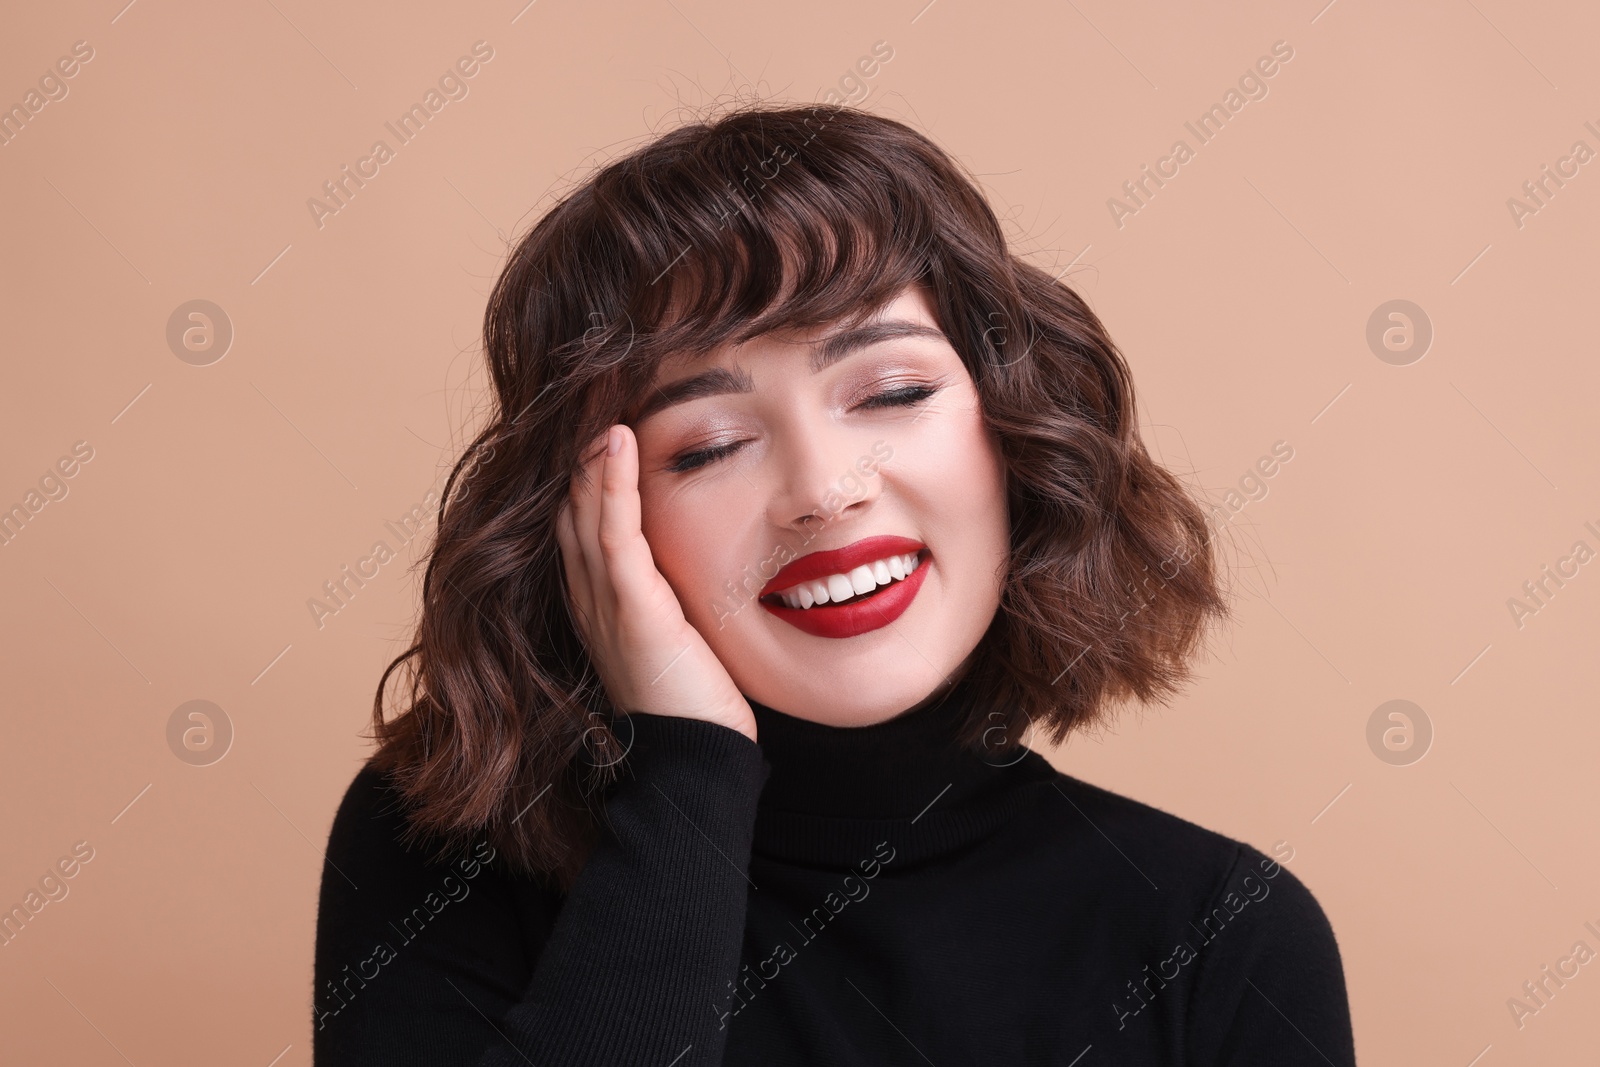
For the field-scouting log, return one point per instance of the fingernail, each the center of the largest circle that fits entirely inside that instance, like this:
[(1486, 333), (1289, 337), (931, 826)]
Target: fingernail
[(613, 441)]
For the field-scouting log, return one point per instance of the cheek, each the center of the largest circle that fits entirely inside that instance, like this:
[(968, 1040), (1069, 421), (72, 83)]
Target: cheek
[(965, 465), (692, 546), (678, 542), (964, 458)]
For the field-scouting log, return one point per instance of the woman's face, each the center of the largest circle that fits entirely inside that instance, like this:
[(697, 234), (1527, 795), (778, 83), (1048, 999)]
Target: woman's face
[(885, 441)]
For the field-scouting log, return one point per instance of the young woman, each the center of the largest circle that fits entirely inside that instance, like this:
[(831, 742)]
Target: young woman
[(802, 499)]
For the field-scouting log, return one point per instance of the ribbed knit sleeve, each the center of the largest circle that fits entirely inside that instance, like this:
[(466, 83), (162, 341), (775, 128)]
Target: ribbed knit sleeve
[(648, 940), (633, 966)]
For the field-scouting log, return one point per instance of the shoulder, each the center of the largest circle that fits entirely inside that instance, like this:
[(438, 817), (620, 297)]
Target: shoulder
[(1245, 938), (370, 800), (374, 867), (378, 884), (1269, 983), (371, 808), (1157, 846), (369, 827), (407, 929), (1180, 874), (372, 826)]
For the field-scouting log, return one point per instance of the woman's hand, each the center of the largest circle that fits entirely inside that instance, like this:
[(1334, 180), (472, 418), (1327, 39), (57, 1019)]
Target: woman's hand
[(647, 655)]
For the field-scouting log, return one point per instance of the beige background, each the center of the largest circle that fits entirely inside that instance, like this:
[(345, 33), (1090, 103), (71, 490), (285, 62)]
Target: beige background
[(219, 498)]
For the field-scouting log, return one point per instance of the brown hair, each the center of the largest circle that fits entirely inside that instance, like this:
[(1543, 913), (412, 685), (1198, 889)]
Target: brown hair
[(772, 217)]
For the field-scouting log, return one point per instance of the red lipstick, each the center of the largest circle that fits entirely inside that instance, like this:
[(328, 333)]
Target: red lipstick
[(831, 620)]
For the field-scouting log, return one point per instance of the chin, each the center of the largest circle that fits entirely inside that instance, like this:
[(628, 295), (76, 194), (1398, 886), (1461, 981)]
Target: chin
[(872, 698)]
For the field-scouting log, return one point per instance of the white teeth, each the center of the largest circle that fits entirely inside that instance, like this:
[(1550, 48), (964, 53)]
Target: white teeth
[(863, 579)]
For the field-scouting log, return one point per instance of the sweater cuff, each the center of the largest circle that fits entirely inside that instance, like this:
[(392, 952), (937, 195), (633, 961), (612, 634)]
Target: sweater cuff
[(702, 766)]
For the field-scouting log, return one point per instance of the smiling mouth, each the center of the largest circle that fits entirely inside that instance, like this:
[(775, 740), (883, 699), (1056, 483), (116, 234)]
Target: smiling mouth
[(839, 590)]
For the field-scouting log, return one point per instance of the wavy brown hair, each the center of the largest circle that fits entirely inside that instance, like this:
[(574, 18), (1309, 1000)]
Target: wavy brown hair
[(765, 218)]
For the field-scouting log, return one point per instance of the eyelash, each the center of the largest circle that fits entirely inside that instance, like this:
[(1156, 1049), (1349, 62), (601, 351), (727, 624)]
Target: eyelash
[(905, 397)]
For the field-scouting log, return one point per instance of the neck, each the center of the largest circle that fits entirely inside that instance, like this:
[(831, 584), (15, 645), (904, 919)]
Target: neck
[(834, 791), (887, 769)]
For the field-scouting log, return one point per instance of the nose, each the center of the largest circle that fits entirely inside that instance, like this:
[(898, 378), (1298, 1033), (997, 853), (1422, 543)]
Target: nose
[(823, 475)]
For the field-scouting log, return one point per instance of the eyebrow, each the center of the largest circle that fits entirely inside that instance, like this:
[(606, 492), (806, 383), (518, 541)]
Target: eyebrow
[(828, 351)]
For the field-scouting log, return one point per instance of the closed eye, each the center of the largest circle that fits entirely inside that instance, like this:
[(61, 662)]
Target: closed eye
[(908, 396)]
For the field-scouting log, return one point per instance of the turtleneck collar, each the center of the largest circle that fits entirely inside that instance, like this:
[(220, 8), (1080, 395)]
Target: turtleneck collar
[(833, 792)]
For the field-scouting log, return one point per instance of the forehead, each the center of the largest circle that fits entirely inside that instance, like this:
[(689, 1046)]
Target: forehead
[(829, 342)]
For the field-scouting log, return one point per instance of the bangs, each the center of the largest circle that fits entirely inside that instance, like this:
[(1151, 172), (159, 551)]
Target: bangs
[(786, 224)]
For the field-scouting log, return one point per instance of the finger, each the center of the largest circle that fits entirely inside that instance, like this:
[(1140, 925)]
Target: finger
[(567, 538), (622, 543), (585, 486), (579, 592), (586, 475), (585, 497)]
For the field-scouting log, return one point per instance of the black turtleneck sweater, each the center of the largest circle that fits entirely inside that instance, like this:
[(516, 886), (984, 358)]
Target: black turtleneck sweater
[(829, 895)]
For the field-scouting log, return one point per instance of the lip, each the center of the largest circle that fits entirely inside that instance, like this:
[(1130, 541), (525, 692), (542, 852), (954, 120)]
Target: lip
[(840, 560), (863, 616)]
